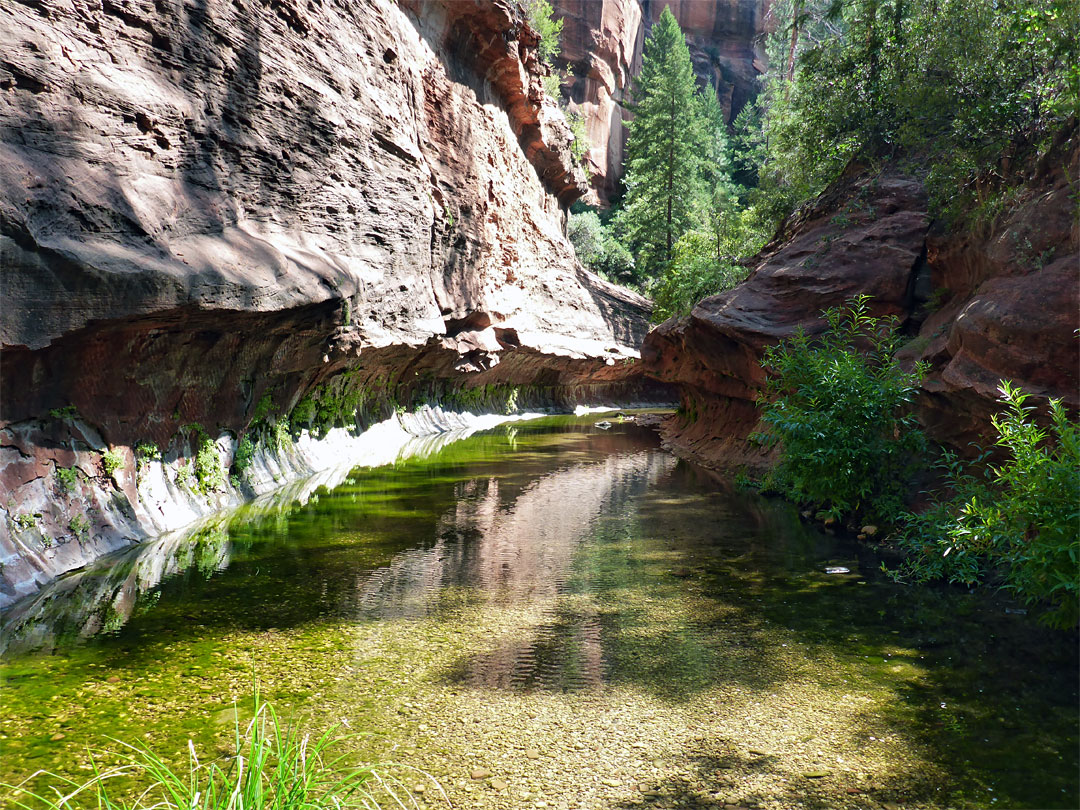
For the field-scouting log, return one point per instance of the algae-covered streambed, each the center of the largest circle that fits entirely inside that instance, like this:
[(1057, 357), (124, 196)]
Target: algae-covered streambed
[(553, 615)]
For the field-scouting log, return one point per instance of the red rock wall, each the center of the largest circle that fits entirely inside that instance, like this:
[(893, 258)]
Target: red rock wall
[(204, 202), (978, 307)]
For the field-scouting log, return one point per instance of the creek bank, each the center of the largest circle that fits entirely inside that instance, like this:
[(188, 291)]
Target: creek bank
[(978, 305)]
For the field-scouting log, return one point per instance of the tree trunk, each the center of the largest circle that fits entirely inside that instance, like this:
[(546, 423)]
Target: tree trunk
[(796, 9)]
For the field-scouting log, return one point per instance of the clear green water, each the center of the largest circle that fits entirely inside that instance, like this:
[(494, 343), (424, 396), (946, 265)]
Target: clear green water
[(595, 622)]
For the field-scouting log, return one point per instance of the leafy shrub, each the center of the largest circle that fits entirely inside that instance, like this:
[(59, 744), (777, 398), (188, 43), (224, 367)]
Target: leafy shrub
[(147, 451), (693, 273), (245, 452), (67, 478), (209, 470), (1024, 515), (540, 20), (848, 441), (598, 248), (112, 460)]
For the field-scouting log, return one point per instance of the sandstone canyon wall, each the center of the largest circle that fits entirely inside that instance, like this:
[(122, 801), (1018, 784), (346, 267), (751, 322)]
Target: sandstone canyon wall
[(978, 305), (602, 42), (214, 212)]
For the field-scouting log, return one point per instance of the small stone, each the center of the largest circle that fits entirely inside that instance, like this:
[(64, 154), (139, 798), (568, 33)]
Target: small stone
[(419, 788), (532, 753), (837, 569), (113, 679), (860, 537), (829, 521), (806, 513), (499, 784), (643, 788), (682, 573), (869, 530), (611, 783), (757, 752), (816, 774), (480, 773), (57, 736)]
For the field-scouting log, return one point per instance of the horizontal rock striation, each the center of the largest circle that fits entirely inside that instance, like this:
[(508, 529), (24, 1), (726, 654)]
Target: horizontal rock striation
[(214, 212), (977, 307)]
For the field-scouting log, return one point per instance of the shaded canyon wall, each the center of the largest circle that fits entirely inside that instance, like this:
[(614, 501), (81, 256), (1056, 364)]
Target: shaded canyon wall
[(213, 214)]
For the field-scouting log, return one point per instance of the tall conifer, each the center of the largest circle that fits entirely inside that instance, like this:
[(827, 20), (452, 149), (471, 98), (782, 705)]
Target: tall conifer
[(663, 159)]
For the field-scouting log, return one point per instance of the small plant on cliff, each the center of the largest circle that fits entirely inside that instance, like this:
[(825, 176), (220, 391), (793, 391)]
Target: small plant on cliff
[(79, 526), (541, 20), (209, 470), (112, 461), (839, 408), (67, 478), (1024, 516), (245, 452)]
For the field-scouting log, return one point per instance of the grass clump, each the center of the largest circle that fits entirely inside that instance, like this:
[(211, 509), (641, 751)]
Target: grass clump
[(274, 767), (839, 409), (1022, 517)]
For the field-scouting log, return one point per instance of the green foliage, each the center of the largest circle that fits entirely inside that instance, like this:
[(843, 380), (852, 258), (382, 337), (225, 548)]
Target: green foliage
[(664, 183), (209, 470), (962, 84), (274, 767), (540, 20), (694, 272), (112, 460), (245, 452), (579, 146), (67, 412), (841, 415), (552, 84), (79, 526), (598, 248), (24, 522), (147, 451), (67, 478), (1023, 516)]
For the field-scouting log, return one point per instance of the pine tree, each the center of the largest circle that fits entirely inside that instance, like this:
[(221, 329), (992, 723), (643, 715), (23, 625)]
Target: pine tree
[(664, 182)]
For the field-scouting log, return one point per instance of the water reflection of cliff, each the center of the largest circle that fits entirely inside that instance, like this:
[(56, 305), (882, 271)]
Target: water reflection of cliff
[(520, 554), (103, 597)]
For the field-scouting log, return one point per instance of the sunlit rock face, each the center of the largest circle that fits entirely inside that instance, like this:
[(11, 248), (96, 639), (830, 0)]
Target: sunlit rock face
[(602, 43), (207, 205)]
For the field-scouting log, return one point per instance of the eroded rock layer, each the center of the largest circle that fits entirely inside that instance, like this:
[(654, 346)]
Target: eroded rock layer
[(977, 307), (212, 212)]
